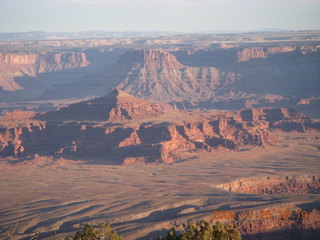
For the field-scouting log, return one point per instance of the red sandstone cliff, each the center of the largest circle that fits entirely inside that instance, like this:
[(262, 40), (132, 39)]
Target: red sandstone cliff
[(147, 141)]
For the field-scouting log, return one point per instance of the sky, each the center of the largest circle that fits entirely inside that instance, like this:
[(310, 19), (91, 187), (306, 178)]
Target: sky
[(158, 15)]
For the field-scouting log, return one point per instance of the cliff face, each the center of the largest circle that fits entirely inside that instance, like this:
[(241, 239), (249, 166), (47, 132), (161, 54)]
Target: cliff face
[(246, 54), (289, 72), (147, 142), (275, 185), (234, 55), (85, 131), (280, 118), (16, 65), (123, 129), (157, 74)]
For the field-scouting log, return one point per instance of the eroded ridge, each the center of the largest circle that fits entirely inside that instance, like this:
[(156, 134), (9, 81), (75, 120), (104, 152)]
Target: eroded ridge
[(275, 185)]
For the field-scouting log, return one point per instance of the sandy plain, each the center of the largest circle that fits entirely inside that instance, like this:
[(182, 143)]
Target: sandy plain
[(142, 200)]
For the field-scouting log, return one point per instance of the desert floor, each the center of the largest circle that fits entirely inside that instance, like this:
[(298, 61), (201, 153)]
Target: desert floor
[(142, 199)]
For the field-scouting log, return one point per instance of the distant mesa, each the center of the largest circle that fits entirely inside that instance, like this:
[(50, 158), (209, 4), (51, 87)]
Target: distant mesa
[(117, 106), (18, 115)]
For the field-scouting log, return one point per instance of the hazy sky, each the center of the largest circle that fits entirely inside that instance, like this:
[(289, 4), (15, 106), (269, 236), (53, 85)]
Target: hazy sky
[(158, 15)]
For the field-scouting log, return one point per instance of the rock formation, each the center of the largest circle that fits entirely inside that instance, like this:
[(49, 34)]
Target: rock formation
[(123, 129), (287, 72), (246, 54), (209, 77), (293, 226), (18, 115), (30, 64), (275, 185), (116, 106), (158, 75), (280, 118)]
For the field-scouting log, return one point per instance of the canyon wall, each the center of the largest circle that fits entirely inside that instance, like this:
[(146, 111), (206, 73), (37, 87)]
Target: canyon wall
[(126, 141), (290, 70), (235, 77), (280, 118), (158, 75), (14, 65)]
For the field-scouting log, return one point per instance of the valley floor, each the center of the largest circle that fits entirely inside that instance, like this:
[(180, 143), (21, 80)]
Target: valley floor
[(141, 200)]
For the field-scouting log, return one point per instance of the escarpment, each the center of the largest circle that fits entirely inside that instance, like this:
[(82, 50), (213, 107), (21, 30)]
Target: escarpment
[(260, 76), (275, 185), (281, 118), (149, 141), (30, 64), (246, 54)]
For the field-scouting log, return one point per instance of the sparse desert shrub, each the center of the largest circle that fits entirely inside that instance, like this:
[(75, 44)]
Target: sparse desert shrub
[(102, 232), (205, 231)]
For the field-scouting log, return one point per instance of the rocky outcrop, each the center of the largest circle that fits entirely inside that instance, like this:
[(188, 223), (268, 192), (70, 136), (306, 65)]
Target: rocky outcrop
[(125, 129), (279, 226), (117, 106), (18, 115), (275, 185), (119, 126), (280, 118), (147, 141), (12, 142), (23, 64)]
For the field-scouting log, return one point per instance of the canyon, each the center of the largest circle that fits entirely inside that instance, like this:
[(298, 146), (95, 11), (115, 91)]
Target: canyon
[(152, 131), (221, 76)]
